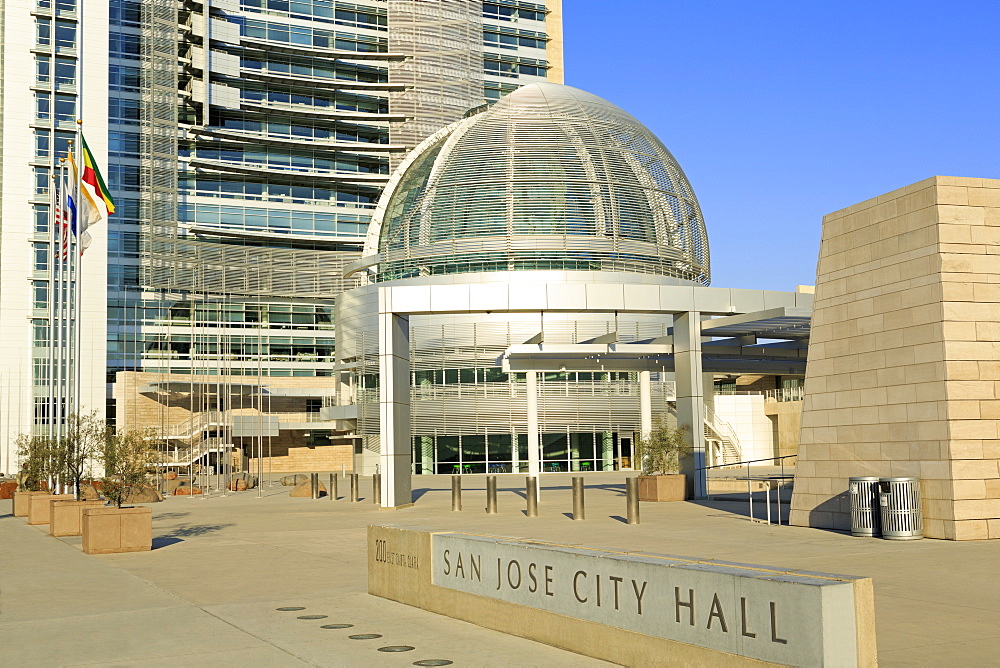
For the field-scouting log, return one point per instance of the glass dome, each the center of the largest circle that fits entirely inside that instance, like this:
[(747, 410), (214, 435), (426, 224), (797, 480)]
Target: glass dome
[(550, 177)]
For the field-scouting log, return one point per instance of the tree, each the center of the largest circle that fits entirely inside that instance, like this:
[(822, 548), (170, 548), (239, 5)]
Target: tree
[(128, 457), (35, 454), (80, 447), (660, 451)]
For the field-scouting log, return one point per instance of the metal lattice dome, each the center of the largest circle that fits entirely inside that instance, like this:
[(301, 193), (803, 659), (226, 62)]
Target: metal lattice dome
[(549, 177)]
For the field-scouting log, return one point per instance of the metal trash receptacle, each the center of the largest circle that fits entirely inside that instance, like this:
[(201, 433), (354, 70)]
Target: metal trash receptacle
[(865, 512), (901, 514)]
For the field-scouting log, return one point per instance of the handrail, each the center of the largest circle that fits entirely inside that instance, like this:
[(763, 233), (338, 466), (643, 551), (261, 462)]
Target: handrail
[(746, 461), (724, 429)]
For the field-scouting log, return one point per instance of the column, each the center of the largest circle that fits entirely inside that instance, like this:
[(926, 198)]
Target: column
[(395, 453), (645, 412), (531, 390), (690, 397)]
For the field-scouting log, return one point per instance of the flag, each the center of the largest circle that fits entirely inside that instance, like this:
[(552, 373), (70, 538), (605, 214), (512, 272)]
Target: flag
[(67, 216), (95, 199)]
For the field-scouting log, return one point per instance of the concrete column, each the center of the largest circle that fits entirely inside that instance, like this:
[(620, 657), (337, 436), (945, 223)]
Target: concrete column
[(531, 390), (395, 453), (691, 397), (645, 409)]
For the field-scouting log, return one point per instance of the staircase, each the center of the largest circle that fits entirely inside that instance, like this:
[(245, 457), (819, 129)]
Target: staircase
[(720, 431), (186, 443)]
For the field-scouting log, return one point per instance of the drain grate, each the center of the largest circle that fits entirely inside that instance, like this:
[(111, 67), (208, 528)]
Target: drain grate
[(336, 626), (395, 648), (290, 609), (433, 662), (311, 617), (365, 636)]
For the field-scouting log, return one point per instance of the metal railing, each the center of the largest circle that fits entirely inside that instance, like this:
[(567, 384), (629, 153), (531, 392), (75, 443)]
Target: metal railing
[(726, 434), (785, 394), (779, 479)]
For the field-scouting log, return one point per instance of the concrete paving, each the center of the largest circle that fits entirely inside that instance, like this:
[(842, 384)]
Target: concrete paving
[(221, 566)]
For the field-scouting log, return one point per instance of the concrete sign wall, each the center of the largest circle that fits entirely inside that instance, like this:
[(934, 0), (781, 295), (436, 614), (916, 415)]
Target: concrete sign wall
[(671, 608)]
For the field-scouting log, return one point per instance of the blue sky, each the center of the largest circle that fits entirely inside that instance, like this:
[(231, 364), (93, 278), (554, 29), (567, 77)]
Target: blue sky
[(780, 112)]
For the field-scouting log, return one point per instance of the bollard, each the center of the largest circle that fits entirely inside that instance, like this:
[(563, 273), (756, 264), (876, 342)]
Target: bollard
[(632, 499), (332, 491), (314, 485), (578, 498), (491, 495), (531, 494), (456, 492), (354, 487), (377, 489)]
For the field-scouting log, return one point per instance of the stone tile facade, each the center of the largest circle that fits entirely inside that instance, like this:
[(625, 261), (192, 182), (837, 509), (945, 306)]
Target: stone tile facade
[(903, 376)]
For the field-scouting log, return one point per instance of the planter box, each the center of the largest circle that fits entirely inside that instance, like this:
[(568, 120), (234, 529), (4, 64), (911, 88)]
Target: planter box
[(7, 490), (22, 502), (672, 487), (66, 517), (40, 504), (108, 530)]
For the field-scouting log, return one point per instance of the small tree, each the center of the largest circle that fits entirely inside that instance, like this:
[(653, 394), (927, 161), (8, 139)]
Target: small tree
[(35, 454), (128, 457), (661, 450), (80, 447)]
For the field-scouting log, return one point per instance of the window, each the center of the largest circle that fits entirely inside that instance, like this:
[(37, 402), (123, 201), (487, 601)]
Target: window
[(41, 256), (40, 291), (43, 106), (42, 182), (41, 219), (43, 145), (43, 70), (65, 71), (43, 32), (65, 108), (65, 35), (124, 45), (40, 333)]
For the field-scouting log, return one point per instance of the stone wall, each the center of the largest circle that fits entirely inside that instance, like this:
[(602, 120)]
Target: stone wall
[(903, 376), (787, 418)]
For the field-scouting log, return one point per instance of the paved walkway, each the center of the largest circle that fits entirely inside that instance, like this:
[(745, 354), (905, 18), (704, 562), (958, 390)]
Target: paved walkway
[(220, 567)]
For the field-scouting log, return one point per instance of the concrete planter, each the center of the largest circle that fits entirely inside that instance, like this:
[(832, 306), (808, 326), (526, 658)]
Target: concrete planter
[(66, 517), (39, 506), (22, 502), (670, 487), (108, 530)]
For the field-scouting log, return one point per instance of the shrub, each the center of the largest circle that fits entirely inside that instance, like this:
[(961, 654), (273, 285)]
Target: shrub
[(660, 451)]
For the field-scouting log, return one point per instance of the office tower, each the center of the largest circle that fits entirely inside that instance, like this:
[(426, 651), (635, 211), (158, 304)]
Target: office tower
[(246, 144)]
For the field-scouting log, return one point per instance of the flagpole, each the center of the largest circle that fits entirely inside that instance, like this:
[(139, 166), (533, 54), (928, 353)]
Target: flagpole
[(77, 261), (54, 217), (60, 298)]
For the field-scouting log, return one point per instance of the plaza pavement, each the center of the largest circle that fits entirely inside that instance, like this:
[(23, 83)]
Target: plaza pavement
[(220, 567)]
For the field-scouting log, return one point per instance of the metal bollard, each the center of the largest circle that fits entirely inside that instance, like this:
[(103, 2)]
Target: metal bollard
[(531, 494), (332, 491), (632, 500), (314, 485), (377, 489), (491, 495), (354, 488), (578, 498), (456, 492)]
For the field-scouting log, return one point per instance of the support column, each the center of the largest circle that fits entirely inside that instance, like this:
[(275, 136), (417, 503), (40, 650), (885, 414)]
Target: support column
[(531, 390), (395, 453), (690, 397), (645, 411)]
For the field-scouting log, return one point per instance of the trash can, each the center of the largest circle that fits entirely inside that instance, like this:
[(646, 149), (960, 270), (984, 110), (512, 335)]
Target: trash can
[(901, 514), (864, 506)]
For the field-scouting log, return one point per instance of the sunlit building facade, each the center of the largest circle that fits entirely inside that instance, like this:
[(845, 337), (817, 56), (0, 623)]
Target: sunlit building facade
[(246, 143)]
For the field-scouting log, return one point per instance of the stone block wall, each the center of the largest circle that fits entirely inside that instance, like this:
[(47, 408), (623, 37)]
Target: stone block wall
[(903, 376)]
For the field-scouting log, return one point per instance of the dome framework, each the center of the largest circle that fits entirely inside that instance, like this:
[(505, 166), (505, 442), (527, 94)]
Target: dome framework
[(549, 178)]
